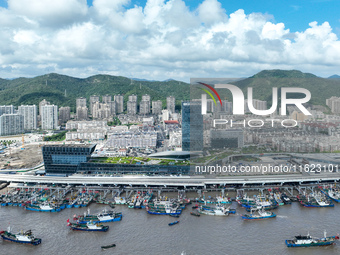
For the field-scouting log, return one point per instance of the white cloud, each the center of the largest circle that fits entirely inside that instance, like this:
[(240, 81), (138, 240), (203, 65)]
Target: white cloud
[(163, 39), (53, 13)]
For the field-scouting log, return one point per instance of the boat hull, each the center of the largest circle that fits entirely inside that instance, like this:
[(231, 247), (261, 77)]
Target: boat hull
[(36, 241), (249, 217), (289, 243), (42, 210), (104, 229)]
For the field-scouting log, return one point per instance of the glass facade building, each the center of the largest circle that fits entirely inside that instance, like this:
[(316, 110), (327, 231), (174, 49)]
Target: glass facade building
[(192, 126), (70, 159), (65, 159)]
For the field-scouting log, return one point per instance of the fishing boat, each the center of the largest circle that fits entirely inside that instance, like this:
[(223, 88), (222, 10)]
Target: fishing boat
[(120, 201), (104, 247), (44, 207), (195, 214), (307, 241), (89, 226), (173, 223), (261, 214), (216, 200), (278, 199), (314, 201), (104, 216), (332, 192), (286, 199), (163, 208), (216, 211), (22, 237), (259, 207)]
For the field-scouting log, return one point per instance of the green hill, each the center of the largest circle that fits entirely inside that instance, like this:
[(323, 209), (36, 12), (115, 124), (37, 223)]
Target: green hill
[(52, 87), (262, 83)]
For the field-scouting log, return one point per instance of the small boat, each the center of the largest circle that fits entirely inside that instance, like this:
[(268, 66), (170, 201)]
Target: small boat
[(173, 223), (195, 214), (89, 226), (195, 207), (307, 241), (104, 247), (23, 237)]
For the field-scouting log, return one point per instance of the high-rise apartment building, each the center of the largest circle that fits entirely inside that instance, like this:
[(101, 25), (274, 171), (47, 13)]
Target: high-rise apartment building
[(170, 104), (30, 116), (157, 107), (6, 109), (11, 124), (119, 103), (49, 117), (81, 110), (132, 107), (93, 99), (106, 99), (64, 114)]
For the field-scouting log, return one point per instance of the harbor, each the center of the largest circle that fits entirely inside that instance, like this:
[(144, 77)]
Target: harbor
[(145, 218)]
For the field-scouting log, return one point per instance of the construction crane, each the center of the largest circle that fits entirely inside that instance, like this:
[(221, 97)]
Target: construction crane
[(23, 142)]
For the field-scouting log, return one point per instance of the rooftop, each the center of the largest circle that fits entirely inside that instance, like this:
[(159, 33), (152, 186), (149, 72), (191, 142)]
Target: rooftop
[(90, 146)]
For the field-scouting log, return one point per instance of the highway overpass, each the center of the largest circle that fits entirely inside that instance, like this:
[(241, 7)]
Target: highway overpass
[(165, 181)]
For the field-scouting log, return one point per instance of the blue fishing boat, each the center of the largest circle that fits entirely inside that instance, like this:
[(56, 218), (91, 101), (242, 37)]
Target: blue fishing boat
[(23, 237), (89, 226), (307, 241), (44, 207), (104, 216)]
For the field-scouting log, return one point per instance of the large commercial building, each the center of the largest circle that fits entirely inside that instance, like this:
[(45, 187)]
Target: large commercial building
[(30, 116), (11, 124), (70, 159), (49, 117), (226, 138), (132, 140), (192, 126), (65, 159)]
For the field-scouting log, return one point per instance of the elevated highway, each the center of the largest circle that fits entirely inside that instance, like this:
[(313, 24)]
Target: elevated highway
[(165, 181)]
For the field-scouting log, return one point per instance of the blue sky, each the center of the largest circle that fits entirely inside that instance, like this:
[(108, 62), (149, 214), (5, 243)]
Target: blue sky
[(160, 39), (296, 15)]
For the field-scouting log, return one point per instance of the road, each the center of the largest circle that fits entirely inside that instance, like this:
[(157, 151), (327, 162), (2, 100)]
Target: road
[(184, 181)]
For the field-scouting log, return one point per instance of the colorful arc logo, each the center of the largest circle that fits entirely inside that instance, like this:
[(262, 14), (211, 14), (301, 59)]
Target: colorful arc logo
[(204, 97)]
